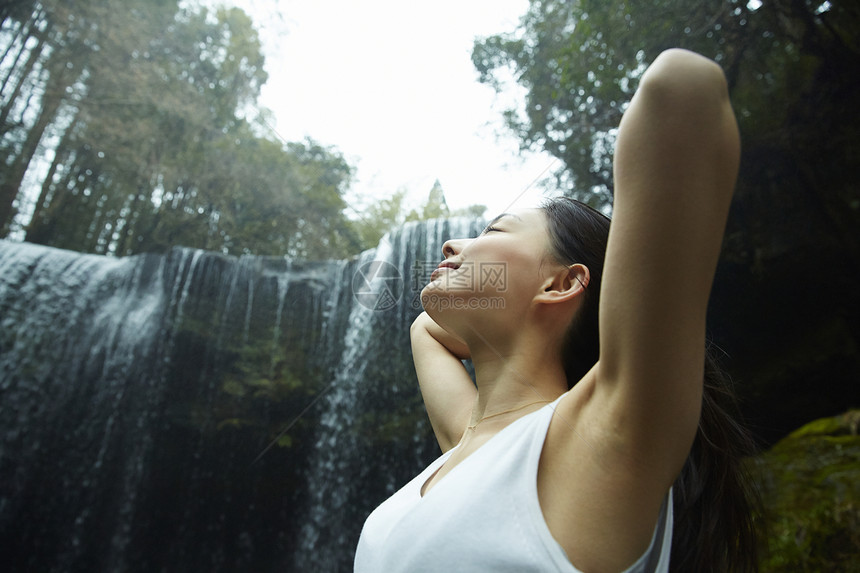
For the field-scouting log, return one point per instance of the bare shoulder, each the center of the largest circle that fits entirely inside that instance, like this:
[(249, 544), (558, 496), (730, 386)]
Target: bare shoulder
[(600, 498)]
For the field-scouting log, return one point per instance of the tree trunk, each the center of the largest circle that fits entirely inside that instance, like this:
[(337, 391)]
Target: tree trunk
[(22, 78), (6, 13), (124, 226), (44, 232), (40, 211), (10, 44), (11, 183)]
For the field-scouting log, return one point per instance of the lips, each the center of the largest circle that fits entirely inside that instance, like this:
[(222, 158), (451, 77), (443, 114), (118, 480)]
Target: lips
[(449, 265)]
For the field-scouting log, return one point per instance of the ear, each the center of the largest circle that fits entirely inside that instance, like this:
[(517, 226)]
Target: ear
[(565, 285)]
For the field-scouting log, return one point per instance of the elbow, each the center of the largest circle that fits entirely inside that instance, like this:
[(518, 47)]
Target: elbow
[(682, 76), (689, 92)]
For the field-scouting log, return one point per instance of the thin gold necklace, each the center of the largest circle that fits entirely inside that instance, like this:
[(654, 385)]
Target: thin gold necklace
[(475, 425)]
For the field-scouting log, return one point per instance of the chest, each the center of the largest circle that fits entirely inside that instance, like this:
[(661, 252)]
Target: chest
[(458, 456), (480, 515)]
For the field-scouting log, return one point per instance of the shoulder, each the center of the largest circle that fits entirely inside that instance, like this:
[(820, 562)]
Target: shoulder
[(600, 495)]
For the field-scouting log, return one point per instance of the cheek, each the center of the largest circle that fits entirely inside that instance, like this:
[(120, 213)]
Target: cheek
[(516, 279), (522, 282)]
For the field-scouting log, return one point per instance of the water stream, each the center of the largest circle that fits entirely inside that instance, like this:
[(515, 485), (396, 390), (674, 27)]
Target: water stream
[(197, 412)]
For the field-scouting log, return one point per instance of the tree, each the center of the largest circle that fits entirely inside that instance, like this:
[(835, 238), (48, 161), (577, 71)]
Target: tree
[(435, 206), (580, 63), (378, 217), (472, 211), (62, 39), (156, 143)]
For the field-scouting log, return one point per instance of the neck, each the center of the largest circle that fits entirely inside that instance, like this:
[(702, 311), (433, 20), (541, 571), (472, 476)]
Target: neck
[(526, 371)]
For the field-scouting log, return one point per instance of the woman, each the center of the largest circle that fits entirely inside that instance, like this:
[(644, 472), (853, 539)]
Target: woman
[(590, 441)]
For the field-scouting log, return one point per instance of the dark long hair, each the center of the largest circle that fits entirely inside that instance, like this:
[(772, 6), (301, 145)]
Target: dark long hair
[(713, 496)]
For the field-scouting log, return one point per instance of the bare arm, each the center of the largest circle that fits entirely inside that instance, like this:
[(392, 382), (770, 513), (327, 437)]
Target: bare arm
[(448, 391), (676, 162), (623, 434)]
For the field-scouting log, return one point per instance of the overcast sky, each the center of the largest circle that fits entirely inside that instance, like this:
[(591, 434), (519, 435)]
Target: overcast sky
[(390, 83)]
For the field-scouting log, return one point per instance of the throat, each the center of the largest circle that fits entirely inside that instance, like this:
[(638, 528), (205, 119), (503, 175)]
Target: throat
[(474, 426)]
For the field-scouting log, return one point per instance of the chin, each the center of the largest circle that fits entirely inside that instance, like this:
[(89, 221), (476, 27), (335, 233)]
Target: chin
[(436, 300)]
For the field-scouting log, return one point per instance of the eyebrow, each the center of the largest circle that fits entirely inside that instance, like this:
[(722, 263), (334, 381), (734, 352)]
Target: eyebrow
[(502, 216)]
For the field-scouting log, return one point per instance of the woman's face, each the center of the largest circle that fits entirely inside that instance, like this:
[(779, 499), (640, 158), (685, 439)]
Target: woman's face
[(500, 270)]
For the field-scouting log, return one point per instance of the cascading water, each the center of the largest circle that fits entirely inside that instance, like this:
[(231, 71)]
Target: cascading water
[(373, 435), (196, 412)]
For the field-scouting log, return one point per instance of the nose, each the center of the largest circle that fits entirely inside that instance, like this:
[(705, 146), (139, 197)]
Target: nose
[(453, 247)]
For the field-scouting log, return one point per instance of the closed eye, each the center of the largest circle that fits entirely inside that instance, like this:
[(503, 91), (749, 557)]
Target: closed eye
[(490, 230)]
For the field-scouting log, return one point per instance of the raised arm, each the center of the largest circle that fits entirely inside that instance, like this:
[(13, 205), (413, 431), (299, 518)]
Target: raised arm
[(676, 162), (446, 387)]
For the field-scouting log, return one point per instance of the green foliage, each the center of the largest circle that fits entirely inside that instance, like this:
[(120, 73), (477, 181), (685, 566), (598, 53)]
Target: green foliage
[(472, 211), (434, 208), (157, 145), (580, 63), (379, 217), (384, 215)]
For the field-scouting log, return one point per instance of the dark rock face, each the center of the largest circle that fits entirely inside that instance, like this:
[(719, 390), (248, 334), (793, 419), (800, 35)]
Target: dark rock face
[(811, 494)]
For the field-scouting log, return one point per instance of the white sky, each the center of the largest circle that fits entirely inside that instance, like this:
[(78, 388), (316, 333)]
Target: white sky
[(390, 83)]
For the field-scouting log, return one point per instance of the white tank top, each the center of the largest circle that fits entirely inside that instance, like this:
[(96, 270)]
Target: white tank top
[(483, 515)]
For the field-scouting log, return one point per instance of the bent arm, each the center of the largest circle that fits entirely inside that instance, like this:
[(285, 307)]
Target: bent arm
[(675, 166), (446, 387)]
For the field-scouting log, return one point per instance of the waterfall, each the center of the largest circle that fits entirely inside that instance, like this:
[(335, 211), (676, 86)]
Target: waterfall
[(192, 411)]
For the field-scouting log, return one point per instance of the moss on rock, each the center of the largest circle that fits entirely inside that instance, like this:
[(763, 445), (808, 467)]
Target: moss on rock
[(810, 484)]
